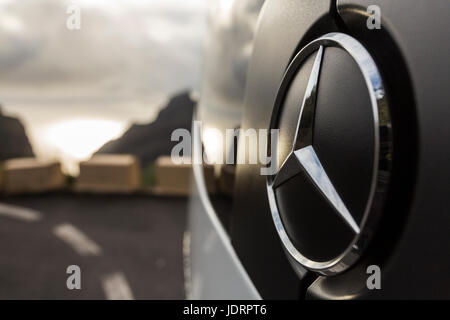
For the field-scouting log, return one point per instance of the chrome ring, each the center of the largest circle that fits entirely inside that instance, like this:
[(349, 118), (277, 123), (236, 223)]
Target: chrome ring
[(380, 110)]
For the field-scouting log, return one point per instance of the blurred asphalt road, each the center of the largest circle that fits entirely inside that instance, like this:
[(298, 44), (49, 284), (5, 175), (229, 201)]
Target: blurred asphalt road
[(139, 236)]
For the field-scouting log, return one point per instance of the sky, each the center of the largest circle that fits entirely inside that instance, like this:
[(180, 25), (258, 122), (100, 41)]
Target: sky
[(120, 67)]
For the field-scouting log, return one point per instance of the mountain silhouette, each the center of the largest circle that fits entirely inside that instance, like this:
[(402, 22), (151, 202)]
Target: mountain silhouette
[(149, 141), (14, 142)]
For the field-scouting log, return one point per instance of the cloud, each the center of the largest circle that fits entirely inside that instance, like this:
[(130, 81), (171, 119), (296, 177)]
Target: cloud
[(125, 50)]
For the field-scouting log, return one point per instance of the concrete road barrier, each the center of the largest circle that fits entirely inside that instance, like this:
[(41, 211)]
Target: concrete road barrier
[(174, 179), (109, 173), (24, 175)]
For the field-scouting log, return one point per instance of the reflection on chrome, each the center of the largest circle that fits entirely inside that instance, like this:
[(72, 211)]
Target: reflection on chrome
[(311, 163), (305, 121)]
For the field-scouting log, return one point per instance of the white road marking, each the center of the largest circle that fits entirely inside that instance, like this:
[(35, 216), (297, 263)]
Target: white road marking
[(77, 240), (25, 214), (116, 287)]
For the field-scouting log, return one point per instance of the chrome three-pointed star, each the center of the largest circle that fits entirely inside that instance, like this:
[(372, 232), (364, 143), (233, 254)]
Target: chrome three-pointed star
[(303, 157)]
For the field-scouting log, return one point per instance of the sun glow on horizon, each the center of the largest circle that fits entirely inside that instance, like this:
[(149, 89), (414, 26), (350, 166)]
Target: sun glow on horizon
[(77, 140)]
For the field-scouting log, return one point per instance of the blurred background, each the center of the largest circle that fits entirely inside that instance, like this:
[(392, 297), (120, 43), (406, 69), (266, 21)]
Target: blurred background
[(90, 92), (118, 67)]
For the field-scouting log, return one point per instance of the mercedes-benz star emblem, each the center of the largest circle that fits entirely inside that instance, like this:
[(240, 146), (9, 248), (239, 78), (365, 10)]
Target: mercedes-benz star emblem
[(303, 158)]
